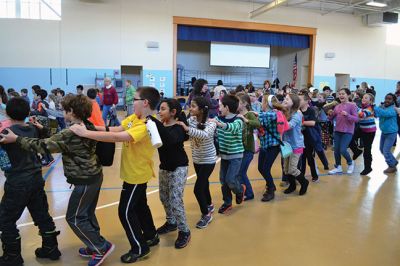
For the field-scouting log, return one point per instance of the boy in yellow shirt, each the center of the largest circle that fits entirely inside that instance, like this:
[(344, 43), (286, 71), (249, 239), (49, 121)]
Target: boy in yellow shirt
[(136, 171)]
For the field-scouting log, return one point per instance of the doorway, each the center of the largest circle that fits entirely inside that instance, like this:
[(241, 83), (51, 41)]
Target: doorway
[(133, 73), (304, 77), (342, 81)]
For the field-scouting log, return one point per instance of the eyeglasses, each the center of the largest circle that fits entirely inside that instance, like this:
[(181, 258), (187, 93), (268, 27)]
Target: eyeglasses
[(134, 99)]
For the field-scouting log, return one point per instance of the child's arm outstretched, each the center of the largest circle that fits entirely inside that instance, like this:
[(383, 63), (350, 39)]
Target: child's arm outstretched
[(169, 137), (234, 127), (385, 112), (206, 133), (55, 144), (252, 122), (112, 136), (295, 120)]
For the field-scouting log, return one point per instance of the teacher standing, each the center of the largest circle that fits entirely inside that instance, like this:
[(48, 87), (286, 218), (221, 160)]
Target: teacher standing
[(110, 98)]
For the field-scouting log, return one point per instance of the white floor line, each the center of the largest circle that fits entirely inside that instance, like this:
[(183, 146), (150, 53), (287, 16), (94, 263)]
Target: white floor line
[(104, 206)]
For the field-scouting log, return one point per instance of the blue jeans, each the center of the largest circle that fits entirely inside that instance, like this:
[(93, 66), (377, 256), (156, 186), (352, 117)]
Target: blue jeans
[(266, 159), (106, 109), (244, 179), (387, 141), (341, 143), (228, 176)]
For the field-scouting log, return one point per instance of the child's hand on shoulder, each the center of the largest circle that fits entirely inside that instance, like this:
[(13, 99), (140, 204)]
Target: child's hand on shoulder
[(185, 127), (8, 136), (213, 120), (79, 129), (34, 122)]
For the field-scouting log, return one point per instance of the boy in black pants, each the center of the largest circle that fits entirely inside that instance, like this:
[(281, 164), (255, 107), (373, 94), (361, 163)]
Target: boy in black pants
[(82, 169), (24, 187), (136, 171), (308, 125)]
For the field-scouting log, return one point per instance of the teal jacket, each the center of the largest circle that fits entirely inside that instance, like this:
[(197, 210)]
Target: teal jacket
[(387, 119)]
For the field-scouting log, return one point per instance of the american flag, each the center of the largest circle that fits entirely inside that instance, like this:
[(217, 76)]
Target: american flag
[(295, 70)]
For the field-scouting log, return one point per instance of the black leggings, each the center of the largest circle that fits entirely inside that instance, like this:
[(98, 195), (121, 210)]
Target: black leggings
[(308, 156), (202, 186)]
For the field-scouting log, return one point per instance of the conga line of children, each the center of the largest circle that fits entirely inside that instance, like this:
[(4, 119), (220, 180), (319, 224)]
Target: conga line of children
[(237, 129)]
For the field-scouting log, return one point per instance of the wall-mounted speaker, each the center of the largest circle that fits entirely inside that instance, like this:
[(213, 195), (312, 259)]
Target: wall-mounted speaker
[(330, 55), (151, 44)]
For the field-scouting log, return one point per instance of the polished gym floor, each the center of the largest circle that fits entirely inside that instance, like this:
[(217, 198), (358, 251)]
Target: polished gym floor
[(342, 220)]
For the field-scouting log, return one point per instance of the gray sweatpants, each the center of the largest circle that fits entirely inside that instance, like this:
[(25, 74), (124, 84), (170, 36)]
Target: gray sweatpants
[(81, 215), (172, 185)]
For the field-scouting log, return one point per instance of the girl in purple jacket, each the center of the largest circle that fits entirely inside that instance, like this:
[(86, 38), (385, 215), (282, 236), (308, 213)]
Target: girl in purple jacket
[(346, 117)]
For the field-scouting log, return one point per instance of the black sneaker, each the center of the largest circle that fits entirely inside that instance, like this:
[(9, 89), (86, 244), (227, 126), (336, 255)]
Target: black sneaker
[(224, 208), (154, 241), (131, 257), (366, 171), (182, 240), (315, 179), (204, 221), (240, 196), (166, 228), (268, 196)]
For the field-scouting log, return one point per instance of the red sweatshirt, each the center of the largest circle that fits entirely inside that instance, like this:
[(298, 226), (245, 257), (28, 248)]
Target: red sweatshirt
[(110, 96)]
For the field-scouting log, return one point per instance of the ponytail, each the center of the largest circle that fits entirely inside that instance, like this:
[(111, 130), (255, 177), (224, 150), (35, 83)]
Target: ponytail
[(204, 107), (182, 117)]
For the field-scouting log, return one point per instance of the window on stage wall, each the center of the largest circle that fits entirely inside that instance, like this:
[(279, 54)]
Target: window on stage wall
[(31, 9), (7, 8), (393, 34)]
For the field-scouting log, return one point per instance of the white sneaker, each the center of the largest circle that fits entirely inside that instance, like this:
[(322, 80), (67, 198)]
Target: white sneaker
[(350, 168), (336, 170)]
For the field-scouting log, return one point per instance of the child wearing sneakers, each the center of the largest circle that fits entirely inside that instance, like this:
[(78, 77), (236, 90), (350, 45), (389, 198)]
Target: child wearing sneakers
[(201, 133), (387, 114), (229, 131), (82, 169), (173, 169), (346, 116), (136, 171), (24, 187), (296, 140)]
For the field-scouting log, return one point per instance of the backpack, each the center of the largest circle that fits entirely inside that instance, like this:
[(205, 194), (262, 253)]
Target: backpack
[(282, 124), (105, 151)]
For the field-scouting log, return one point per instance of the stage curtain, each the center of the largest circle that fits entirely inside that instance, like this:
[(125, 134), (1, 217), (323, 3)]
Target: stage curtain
[(193, 33)]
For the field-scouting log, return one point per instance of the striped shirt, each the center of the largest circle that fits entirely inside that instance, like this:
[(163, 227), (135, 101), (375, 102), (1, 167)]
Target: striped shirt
[(269, 120), (202, 142), (330, 98), (367, 119), (230, 137)]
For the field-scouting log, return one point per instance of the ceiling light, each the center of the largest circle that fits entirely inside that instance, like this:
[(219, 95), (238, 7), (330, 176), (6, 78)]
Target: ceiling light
[(376, 4)]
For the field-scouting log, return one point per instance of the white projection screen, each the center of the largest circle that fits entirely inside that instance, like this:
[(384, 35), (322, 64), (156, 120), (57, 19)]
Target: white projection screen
[(239, 55)]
